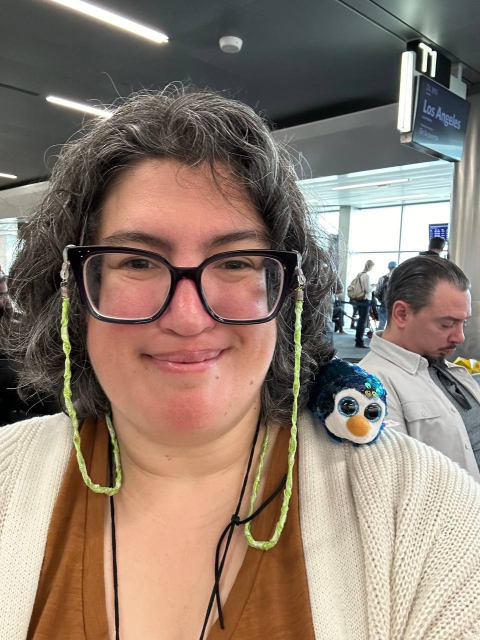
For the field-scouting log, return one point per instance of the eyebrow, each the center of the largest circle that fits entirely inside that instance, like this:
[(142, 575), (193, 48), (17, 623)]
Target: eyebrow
[(452, 319), (123, 238)]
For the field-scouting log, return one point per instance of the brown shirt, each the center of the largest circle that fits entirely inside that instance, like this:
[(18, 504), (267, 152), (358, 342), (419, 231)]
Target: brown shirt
[(269, 599)]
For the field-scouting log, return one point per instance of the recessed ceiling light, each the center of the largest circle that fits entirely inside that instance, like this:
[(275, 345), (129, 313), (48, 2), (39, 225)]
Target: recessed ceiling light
[(412, 197), (382, 183), (8, 176), (114, 19), (103, 113)]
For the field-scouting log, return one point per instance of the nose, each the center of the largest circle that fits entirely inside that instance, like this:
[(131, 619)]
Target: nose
[(458, 335), (186, 314), (358, 426)]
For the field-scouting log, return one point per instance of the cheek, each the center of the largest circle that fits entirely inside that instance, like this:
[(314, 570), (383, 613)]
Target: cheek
[(257, 345), (107, 346)]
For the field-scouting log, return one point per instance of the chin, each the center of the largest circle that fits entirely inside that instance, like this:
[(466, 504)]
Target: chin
[(195, 410)]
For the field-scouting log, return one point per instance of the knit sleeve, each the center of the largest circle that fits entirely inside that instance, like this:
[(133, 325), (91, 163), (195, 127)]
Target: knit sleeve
[(33, 455), (422, 556)]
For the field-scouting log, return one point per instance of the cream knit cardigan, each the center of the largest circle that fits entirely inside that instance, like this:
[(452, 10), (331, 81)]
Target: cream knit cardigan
[(391, 532)]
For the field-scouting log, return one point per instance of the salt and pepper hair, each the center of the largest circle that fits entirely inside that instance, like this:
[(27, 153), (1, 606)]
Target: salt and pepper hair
[(194, 128), (415, 280)]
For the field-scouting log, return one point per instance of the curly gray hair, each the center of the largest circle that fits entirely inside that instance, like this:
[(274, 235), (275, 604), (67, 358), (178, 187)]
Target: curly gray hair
[(192, 127)]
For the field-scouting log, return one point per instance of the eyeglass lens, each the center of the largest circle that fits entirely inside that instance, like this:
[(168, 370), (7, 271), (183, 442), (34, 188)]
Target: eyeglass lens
[(132, 287)]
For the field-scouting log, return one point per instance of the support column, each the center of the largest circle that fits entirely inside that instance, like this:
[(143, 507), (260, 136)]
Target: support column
[(464, 240), (343, 243)]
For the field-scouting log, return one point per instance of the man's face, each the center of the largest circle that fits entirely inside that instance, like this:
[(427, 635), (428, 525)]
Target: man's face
[(3, 295), (437, 329)]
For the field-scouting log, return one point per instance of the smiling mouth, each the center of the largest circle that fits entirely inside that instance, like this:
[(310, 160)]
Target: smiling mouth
[(188, 357)]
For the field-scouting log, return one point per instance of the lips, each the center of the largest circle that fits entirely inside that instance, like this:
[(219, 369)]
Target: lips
[(188, 357)]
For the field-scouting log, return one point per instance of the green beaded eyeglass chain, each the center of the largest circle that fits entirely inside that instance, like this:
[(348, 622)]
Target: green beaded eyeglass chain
[(292, 447)]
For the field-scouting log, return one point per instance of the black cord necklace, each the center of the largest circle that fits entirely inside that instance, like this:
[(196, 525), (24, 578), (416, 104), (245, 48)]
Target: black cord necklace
[(228, 533)]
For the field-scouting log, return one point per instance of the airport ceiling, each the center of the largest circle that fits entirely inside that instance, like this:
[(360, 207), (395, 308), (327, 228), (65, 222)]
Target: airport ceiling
[(302, 60)]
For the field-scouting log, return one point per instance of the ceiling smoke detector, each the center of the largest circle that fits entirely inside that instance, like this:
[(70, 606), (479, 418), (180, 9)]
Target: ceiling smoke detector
[(230, 44)]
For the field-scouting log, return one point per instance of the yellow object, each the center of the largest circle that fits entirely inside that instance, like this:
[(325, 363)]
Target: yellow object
[(358, 425), (472, 365)]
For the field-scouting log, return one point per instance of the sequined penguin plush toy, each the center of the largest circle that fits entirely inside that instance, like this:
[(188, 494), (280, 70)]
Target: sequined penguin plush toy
[(351, 403)]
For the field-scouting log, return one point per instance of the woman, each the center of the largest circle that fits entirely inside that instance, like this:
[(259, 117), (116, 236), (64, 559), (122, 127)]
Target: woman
[(363, 304), (180, 325)]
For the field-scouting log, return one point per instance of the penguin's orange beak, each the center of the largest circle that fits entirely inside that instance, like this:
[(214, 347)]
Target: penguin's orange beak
[(358, 426)]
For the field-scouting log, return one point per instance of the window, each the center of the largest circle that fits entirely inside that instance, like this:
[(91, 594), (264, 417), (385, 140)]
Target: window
[(8, 242), (416, 218), (329, 221), (389, 234), (375, 229)]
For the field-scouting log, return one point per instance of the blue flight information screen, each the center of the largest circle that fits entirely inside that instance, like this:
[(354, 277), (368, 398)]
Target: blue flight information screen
[(441, 119), (438, 230)]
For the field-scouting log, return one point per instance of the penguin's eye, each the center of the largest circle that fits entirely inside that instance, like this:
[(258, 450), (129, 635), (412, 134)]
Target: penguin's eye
[(373, 412), (348, 407)]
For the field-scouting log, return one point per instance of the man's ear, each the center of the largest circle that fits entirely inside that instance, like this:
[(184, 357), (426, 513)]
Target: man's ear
[(400, 313)]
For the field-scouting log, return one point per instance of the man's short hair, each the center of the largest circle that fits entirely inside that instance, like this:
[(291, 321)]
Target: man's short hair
[(414, 281), (437, 243)]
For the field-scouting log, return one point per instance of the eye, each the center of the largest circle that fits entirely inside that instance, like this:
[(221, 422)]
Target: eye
[(137, 264), (373, 412), (348, 406), (234, 265)]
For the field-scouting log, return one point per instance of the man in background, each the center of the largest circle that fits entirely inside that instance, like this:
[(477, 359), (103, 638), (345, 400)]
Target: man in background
[(435, 247), (12, 408), (429, 398), (381, 295)]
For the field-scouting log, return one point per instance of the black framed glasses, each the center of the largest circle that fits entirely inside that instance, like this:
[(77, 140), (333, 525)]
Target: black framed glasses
[(135, 286)]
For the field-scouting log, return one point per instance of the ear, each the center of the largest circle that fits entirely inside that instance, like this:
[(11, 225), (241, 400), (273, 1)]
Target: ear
[(400, 313)]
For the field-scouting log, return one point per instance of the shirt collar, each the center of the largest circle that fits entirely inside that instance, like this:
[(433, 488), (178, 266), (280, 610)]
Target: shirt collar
[(406, 360)]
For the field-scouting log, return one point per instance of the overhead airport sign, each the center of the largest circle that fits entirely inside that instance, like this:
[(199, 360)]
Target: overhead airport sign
[(430, 62), (431, 118), (440, 121)]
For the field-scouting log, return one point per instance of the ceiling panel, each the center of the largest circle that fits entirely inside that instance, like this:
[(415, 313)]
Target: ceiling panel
[(427, 182), (455, 26)]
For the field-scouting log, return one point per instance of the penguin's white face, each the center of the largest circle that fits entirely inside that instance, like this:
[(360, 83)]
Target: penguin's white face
[(356, 417)]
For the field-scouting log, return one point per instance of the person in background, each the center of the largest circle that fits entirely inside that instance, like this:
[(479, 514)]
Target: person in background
[(10, 403), (12, 407), (435, 247), (381, 295), (4, 299), (338, 313), (364, 305), (429, 398)]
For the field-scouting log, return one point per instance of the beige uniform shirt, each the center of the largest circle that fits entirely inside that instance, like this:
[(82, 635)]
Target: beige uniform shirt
[(417, 405)]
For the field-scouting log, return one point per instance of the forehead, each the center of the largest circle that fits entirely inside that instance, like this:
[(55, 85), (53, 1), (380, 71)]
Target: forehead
[(178, 202), (447, 300)]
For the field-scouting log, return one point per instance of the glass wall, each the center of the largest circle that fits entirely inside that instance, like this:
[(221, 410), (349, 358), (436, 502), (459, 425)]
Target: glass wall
[(8, 242), (329, 221), (388, 234)]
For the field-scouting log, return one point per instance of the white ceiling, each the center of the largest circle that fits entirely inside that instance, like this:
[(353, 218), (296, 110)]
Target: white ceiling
[(430, 179)]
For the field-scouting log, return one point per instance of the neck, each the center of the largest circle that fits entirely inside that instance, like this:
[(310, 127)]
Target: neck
[(391, 334), (204, 476)]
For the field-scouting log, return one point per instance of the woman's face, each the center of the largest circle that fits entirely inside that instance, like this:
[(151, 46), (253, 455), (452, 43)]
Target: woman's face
[(185, 372)]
